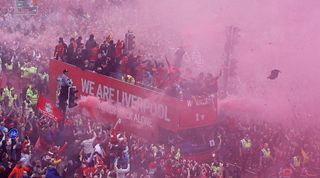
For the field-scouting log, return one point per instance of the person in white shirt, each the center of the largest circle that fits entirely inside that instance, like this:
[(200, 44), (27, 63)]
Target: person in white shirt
[(99, 150), (88, 147), (121, 173)]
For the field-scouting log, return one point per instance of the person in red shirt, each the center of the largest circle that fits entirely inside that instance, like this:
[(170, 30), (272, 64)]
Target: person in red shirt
[(60, 50), (88, 171), (99, 164), (94, 52), (152, 167), (34, 2), (286, 172), (18, 171), (119, 48), (24, 147)]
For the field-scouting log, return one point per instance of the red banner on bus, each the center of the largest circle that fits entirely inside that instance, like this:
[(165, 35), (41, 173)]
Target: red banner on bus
[(140, 107)]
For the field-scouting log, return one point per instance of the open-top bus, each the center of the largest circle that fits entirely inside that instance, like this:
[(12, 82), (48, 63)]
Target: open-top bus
[(152, 115)]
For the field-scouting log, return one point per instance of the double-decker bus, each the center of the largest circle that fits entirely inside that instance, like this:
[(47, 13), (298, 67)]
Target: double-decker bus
[(152, 115)]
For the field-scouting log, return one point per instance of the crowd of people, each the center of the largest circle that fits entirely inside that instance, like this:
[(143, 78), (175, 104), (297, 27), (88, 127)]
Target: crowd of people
[(26, 63), (115, 59), (81, 147)]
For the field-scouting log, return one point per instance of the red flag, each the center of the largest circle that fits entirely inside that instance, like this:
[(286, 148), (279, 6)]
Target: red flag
[(49, 109), (41, 145)]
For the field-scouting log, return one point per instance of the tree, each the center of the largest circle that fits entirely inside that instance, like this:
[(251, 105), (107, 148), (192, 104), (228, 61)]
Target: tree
[(232, 35)]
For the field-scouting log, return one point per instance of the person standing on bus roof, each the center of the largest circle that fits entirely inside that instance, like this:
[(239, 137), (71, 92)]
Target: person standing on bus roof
[(60, 50)]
